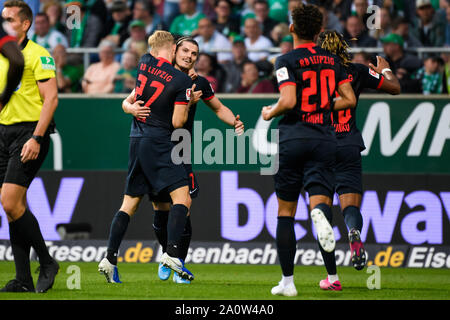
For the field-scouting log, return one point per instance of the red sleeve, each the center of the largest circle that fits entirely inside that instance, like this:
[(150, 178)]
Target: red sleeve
[(6, 39)]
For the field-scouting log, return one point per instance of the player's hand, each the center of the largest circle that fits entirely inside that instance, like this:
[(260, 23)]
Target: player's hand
[(192, 74), (138, 110), (381, 64), (266, 113), (30, 150), (238, 125), (195, 95)]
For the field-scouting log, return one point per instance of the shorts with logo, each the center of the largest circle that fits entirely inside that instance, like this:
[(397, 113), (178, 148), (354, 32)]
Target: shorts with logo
[(12, 139), (308, 164), (150, 166), (164, 195), (348, 169)]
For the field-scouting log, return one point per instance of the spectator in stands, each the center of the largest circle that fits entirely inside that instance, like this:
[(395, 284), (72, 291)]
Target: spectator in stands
[(210, 40), (261, 8), (428, 28), (251, 82), (186, 23), (341, 8), (430, 75), (68, 76), (234, 67), (359, 9), (91, 27), (99, 77), (278, 10), (401, 27), (398, 8), (206, 66), (385, 25), (145, 11), (139, 47), (291, 5), (137, 33), (54, 11), (403, 65), (447, 29), (226, 23), (330, 20), (172, 10), (355, 35), (255, 40), (280, 31), (122, 17), (125, 79), (44, 36), (286, 45), (362, 58)]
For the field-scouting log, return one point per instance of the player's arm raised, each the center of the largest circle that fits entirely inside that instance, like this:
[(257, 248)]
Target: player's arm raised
[(225, 114), (49, 94), (135, 108), (390, 84), (12, 52), (347, 98)]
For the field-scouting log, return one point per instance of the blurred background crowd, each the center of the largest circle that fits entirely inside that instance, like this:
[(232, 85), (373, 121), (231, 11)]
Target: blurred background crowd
[(239, 39)]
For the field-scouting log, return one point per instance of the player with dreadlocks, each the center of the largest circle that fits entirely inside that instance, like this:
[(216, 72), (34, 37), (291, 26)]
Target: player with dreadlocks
[(348, 169)]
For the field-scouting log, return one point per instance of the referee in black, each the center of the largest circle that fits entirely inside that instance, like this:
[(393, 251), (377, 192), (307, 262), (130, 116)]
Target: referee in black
[(25, 127)]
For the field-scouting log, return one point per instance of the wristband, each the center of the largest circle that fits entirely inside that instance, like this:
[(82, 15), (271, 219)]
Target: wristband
[(38, 138), (385, 70)]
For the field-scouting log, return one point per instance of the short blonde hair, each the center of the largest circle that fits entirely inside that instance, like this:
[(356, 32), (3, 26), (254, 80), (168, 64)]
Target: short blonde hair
[(160, 39)]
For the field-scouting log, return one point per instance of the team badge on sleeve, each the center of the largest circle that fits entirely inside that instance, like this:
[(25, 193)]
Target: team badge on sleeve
[(188, 94), (282, 74), (374, 74), (48, 63)]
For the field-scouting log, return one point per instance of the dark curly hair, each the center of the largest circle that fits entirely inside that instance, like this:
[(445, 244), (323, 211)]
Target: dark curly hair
[(334, 42), (307, 20)]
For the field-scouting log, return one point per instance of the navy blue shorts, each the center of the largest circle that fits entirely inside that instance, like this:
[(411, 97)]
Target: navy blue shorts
[(164, 195), (150, 166), (308, 164), (348, 168)]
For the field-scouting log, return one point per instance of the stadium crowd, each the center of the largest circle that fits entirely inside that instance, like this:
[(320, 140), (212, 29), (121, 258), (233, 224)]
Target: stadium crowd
[(228, 32)]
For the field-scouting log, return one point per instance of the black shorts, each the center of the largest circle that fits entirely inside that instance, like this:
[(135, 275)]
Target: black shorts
[(150, 166), (348, 168), (164, 195), (12, 139), (306, 163)]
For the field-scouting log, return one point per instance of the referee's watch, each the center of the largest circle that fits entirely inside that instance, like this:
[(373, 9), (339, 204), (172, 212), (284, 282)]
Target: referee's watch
[(38, 139)]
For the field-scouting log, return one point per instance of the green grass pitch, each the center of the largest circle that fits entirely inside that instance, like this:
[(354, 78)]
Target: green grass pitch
[(234, 282)]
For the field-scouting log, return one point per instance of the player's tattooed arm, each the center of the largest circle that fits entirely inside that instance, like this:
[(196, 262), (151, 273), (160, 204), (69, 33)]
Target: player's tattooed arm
[(135, 108)]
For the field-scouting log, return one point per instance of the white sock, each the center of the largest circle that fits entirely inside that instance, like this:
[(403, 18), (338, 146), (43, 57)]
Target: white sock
[(287, 280), (332, 278)]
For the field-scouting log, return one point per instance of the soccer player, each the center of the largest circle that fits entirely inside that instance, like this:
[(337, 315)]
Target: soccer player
[(185, 59), (186, 55), (348, 169), (307, 78), (167, 92), (11, 51), (26, 122)]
